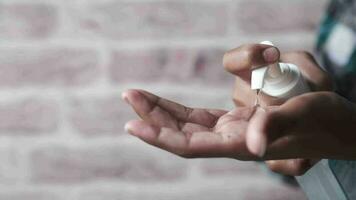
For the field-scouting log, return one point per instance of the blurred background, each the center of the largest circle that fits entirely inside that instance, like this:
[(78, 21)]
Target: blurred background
[(64, 63)]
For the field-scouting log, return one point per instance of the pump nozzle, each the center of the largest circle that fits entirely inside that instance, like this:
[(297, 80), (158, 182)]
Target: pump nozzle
[(258, 75), (274, 69)]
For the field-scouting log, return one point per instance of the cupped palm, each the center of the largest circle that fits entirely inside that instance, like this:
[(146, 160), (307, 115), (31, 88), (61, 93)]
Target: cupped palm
[(189, 132)]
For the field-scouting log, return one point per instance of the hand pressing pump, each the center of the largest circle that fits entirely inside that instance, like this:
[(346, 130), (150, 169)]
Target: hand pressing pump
[(282, 80)]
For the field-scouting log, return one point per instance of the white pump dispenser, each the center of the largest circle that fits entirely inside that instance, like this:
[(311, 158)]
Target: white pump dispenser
[(282, 80)]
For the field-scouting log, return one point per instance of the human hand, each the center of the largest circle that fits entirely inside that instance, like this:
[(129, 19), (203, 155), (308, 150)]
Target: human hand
[(314, 125), (241, 60), (189, 132)]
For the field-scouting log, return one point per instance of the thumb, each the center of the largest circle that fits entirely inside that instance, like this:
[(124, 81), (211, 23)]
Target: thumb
[(265, 127), (239, 61)]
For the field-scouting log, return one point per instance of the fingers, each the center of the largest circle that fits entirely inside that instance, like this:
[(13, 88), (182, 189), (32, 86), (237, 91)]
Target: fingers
[(318, 79), (265, 127), (239, 61), (146, 107), (142, 130), (289, 130), (192, 137), (165, 138), (292, 167), (196, 144), (153, 108), (144, 103), (256, 139)]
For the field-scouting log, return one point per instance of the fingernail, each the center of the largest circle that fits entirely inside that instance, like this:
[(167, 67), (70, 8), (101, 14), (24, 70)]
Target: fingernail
[(270, 54), (261, 149), (127, 128), (124, 97)]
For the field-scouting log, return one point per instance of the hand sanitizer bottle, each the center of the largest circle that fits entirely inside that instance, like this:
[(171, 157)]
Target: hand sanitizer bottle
[(284, 80)]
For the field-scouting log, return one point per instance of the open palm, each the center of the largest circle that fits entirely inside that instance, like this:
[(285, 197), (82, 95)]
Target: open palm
[(189, 132)]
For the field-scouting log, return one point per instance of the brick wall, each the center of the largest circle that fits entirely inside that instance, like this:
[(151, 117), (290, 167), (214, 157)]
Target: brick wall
[(64, 63)]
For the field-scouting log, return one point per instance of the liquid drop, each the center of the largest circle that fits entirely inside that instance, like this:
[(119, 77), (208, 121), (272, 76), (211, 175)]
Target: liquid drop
[(257, 100)]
